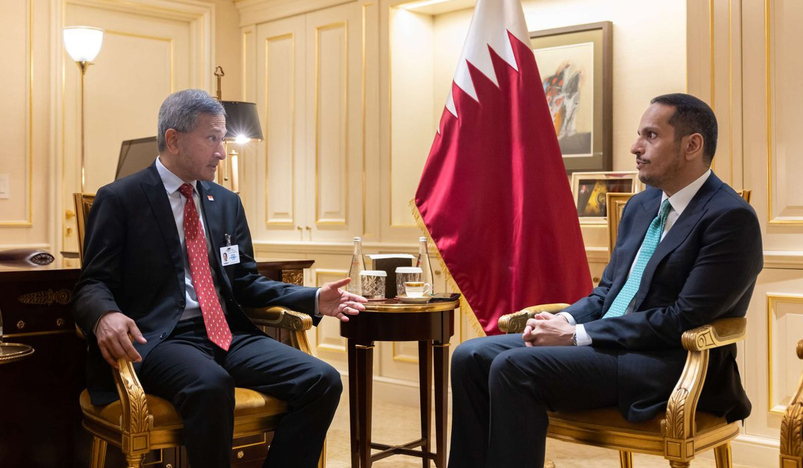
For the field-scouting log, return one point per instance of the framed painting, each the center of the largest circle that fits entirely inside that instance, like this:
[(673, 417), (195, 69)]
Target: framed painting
[(590, 190), (615, 205), (575, 65)]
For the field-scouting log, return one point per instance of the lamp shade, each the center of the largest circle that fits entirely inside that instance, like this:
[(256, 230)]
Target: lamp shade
[(83, 42), (242, 121)]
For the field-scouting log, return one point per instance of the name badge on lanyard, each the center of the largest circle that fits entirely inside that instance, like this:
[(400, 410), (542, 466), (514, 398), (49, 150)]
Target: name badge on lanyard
[(230, 254)]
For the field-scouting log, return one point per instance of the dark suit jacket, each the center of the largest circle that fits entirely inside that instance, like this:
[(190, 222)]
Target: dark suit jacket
[(133, 263), (705, 268)]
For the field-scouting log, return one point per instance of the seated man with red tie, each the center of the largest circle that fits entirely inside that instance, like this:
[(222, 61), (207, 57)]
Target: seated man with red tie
[(168, 259), (688, 252)]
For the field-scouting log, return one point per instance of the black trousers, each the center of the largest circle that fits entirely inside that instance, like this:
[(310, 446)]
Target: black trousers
[(502, 390), (199, 378)]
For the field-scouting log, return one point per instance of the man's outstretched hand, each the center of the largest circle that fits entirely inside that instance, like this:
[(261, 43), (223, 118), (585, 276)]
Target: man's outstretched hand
[(339, 303)]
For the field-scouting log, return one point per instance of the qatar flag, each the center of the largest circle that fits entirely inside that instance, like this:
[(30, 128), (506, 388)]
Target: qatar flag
[(494, 195)]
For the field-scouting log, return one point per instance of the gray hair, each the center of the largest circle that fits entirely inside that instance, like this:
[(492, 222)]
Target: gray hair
[(181, 109)]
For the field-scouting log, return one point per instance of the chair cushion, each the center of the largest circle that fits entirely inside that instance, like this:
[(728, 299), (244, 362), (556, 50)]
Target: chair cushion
[(247, 403), (612, 418)]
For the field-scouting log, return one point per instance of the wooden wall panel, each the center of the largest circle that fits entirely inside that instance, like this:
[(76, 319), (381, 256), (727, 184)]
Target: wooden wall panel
[(784, 67), (281, 152), (331, 124), (15, 121)]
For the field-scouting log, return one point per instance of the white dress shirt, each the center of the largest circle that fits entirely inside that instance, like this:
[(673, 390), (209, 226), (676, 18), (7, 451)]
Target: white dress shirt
[(171, 183)]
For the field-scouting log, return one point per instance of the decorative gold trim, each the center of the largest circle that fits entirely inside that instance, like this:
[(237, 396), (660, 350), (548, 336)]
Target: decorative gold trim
[(61, 296), (391, 14), (253, 444), (292, 219), (318, 29), (792, 424), (770, 167), (730, 95), (364, 197), (711, 54), (398, 357), (772, 301), (293, 277), (169, 40), (675, 414), (244, 58), (29, 150), (41, 333)]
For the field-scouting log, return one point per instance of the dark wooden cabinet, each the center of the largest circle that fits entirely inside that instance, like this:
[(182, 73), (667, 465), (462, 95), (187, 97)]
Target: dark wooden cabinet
[(40, 420)]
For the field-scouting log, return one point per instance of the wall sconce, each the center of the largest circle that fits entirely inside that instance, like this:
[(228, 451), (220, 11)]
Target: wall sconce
[(242, 126), (83, 44)]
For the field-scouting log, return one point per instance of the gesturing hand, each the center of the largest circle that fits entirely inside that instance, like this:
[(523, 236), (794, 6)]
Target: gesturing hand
[(112, 333), (338, 303)]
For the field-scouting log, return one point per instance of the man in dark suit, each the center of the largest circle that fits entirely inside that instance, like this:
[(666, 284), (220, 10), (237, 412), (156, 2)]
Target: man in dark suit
[(688, 252), (168, 259)]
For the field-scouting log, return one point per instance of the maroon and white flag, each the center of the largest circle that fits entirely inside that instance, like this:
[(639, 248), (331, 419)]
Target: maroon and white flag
[(494, 194)]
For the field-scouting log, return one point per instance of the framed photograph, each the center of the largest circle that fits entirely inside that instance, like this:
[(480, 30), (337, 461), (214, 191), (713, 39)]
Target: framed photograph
[(590, 190), (575, 66), (615, 205)]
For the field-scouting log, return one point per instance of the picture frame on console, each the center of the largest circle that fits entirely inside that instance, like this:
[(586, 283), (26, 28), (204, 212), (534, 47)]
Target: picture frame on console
[(590, 190), (575, 63)]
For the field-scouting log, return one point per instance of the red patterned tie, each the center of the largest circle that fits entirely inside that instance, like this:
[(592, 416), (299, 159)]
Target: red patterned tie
[(216, 327)]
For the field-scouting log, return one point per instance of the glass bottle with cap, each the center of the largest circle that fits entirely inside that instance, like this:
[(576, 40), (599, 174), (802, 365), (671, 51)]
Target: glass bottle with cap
[(357, 267), (425, 265)]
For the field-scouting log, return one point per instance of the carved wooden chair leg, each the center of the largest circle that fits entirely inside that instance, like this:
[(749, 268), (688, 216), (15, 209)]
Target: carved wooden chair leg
[(98, 453), (625, 459), (723, 456), (680, 464), (135, 461)]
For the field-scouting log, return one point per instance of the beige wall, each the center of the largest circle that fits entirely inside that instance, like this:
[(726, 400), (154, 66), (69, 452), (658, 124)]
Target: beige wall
[(41, 96), (25, 124)]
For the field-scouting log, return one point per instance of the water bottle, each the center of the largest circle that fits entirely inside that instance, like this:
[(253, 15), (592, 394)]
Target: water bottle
[(357, 266), (425, 265)]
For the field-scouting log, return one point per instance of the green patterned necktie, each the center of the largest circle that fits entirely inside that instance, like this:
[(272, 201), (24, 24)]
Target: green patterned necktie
[(651, 240)]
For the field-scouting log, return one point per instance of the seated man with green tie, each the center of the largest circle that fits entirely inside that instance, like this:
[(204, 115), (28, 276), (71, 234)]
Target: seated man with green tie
[(688, 252)]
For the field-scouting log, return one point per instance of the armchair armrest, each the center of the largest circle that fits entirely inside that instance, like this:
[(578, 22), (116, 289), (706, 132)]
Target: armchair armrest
[(682, 406), (279, 317), (135, 419), (515, 322), (717, 333), (295, 323)]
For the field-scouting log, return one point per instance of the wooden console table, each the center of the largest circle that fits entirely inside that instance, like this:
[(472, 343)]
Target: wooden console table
[(40, 420), (432, 325)]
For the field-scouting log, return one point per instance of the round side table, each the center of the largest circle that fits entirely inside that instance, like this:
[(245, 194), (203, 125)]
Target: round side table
[(431, 325)]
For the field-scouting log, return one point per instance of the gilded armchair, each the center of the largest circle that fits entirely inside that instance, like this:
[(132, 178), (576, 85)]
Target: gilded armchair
[(139, 423), (792, 426), (679, 434), (682, 432)]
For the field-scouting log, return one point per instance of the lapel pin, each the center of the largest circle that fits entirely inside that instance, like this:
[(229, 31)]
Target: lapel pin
[(210, 198)]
